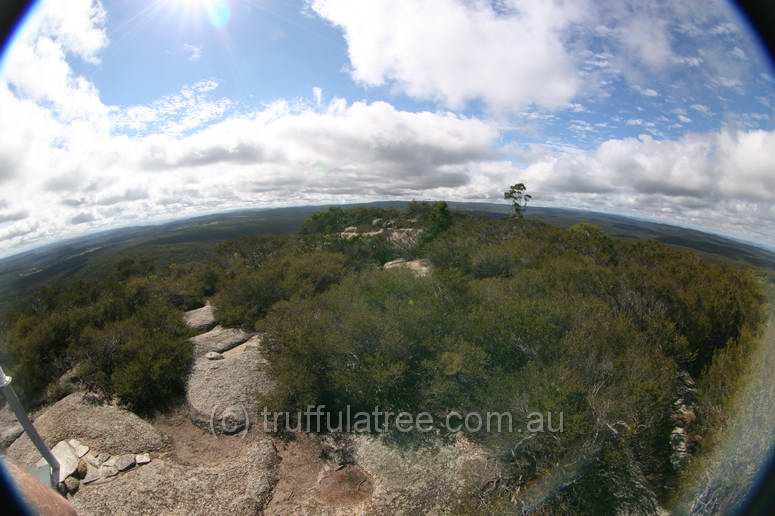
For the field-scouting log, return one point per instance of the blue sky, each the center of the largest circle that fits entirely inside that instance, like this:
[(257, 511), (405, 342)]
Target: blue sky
[(123, 112)]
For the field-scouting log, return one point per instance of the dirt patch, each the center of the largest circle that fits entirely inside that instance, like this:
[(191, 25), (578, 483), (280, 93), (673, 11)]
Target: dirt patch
[(347, 486), (310, 484), (191, 446)]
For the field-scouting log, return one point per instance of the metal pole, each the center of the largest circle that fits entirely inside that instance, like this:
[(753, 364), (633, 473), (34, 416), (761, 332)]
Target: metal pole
[(21, 415)]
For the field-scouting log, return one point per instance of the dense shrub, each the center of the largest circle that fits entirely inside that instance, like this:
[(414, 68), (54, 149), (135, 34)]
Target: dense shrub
[(247, 294), (126, 338), (519, 316)]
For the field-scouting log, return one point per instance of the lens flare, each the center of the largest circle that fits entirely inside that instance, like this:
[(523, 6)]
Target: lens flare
[(217, 11)]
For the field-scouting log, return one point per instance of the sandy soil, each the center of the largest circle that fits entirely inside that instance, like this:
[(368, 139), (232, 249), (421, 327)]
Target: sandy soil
[(192, 446), (310, 484)]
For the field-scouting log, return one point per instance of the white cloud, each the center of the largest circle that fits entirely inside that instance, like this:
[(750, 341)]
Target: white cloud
[(646, 92), (455, 52), (184, 111), (194, 52), (75, 164), (722, 179), (317, 94)]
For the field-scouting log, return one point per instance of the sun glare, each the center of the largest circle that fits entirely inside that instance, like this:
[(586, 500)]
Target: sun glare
[(217, 11)]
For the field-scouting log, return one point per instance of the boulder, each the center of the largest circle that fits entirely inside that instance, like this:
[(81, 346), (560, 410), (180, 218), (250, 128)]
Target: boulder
[(239, 486), (351, 229), (420, 268), (393, 264), (68, 462), (224, 392), (92, 459), (142, 458), (102, 427), (219, 339), (79, 449), (377, 223), (254, 342), (107, 471), (200, 319), (125, 461), (213, 355), (92, 474)]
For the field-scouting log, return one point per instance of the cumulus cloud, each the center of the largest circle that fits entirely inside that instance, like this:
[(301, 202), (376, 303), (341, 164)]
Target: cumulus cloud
[(99, 166), (721, 179), (454, 51), (514, 54), (75, 164)]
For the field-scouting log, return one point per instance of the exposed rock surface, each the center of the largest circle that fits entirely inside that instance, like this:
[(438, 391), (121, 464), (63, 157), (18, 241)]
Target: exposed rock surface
[(226, 390), (239, 486), (349, 233), (213, 355), (79, 449), (125, 461), (419, 267), (10, 428), (105, 428), (404, 237), (92, 474), (65, 455), (219, 339), (683, 416), (200, 318), (419, 481)]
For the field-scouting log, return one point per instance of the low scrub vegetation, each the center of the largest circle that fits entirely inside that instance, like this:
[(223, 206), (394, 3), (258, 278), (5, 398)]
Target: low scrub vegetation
[(517, 316)]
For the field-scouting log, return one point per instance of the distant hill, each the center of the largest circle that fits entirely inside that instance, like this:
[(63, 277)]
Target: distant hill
[(195, 239)]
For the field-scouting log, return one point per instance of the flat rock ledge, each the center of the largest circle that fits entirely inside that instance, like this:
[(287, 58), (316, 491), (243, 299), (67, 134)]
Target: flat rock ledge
[(200, 319), (420, 268), (221, 394), (219, 339), (239, 486), (106, 428), (421, 481)]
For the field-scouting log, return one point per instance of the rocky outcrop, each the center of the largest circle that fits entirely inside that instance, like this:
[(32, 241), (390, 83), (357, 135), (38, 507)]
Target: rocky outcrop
[(352, 232), (420, 480), (683, 415), (223, 393), (239, 486), (103, 427), (219, 339), (420, 268), (200, 319), (403, 238)]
